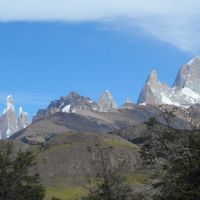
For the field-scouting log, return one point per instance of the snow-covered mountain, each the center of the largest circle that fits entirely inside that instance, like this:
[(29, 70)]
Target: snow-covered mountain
[(184, 92), (9, 123)]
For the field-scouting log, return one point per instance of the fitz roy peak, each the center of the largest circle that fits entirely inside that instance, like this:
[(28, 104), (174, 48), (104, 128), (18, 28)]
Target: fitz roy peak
[(189, 76), (185, 90), (9, 123)]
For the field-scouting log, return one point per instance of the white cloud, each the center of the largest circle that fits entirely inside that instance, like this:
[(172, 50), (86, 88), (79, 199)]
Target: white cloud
[(173, 21)]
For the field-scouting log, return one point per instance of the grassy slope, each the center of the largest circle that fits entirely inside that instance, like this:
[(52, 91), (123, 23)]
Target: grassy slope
[(75, 192), (67, 189), (65, 192)]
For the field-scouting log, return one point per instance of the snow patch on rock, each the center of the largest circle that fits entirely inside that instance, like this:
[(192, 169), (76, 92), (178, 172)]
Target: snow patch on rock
[(185, 91), (9, 123), (66, 109)]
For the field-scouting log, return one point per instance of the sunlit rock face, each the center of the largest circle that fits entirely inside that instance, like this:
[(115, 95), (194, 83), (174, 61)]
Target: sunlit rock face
[(189, 76), (153, 90), (107, 103), (9, 123), (185, 90), (23, 119), (10, 118)]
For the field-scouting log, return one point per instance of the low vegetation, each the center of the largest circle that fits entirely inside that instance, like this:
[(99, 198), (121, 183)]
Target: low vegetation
[(65, 192), (170, 167), (175, 154), (119, 144), (111, 183), (16, 182)]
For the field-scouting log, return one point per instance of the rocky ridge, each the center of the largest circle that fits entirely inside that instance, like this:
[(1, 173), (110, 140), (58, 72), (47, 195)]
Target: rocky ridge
[(184, 92), (75, 103), (9, 123)]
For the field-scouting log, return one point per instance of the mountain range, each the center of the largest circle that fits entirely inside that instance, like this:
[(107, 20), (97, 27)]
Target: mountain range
[(105, 113), (184, 92), (66, 135), (75, 103)]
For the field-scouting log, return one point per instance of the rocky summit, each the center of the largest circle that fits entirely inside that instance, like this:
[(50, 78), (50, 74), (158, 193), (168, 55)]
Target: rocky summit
[(9, 123), (189, 76), (106, 102), (152, 90), (72, 103), (23, 120), (75, 103), (184, 92)]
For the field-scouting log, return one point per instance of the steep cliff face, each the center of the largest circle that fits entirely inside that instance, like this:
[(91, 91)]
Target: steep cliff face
[(185, 90), (8, 119), (106, 102), (9, 123), (23, 120), (152, 91), (189, 76)]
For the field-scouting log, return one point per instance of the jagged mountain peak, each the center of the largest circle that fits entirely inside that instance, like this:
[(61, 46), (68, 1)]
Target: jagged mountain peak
[(20, 110), (73, 94), (152, 76), (189, 76), (153, 79), (72, 103), (23, 119), (10, 103), (185, 91), (151, 90), (194, 60), (106, 102), (75, 103), (9, 123), (107, 91)]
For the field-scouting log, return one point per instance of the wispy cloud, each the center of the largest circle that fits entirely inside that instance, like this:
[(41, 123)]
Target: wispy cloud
[(26, 98), (173, 21)]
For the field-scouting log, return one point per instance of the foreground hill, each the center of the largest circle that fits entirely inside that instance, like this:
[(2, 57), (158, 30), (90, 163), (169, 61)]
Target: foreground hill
[(64, 161), (69, 155), (63, 144)]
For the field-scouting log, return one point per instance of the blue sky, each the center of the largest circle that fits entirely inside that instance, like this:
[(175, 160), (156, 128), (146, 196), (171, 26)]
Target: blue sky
[(45, 57)]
